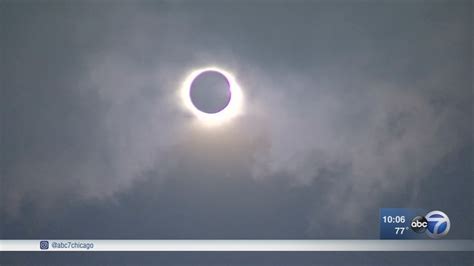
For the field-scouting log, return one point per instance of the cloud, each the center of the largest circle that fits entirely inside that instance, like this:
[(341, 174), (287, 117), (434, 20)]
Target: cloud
[(335, 120)]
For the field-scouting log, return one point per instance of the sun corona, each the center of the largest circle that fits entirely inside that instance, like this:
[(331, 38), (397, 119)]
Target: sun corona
[(233, 108)]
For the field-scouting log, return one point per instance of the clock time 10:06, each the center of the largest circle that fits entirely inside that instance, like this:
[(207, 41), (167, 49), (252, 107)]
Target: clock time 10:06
[(393, 219)]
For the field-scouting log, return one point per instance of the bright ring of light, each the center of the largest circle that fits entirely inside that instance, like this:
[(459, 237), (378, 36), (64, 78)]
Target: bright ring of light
[(233, 108)]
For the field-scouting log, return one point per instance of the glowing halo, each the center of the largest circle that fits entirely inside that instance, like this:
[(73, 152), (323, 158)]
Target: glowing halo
[(233, 108)]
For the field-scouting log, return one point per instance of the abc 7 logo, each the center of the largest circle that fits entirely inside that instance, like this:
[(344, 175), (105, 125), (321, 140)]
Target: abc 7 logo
[(436, 224), (419, 224)]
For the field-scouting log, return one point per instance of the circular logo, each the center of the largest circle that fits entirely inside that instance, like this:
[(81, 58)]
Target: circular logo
[(438, 224), (419, 224)]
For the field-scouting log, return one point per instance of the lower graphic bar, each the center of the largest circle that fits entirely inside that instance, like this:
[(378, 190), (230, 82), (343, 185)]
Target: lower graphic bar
[(236, 245)]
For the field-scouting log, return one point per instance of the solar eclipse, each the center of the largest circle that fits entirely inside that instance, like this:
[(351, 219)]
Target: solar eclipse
[(212, 95)]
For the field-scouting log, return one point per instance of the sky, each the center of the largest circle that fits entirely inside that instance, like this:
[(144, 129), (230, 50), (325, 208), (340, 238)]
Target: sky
[(349, 107)]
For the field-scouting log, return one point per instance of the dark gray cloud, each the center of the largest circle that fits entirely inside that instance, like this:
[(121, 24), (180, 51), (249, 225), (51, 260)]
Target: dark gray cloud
[(348, 108)]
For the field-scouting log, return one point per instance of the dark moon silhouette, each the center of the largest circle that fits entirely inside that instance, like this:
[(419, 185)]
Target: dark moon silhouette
[(210, 92)]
